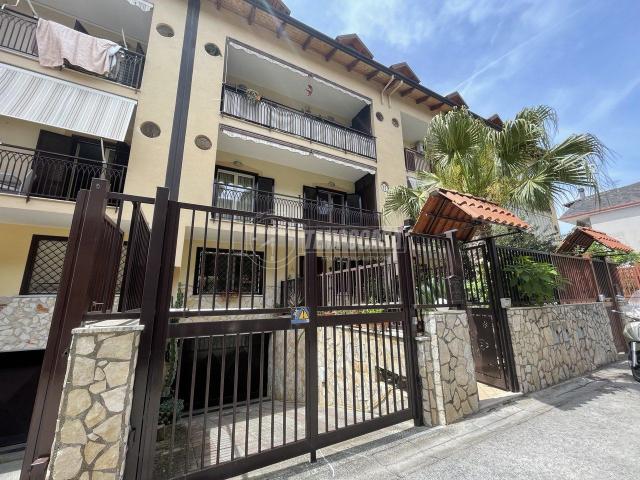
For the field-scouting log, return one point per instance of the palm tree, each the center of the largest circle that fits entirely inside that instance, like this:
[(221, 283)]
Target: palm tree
[(518, 166)]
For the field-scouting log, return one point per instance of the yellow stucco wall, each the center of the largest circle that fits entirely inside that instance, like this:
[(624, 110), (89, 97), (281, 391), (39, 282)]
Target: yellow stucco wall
[(149, 156), (15, 241)]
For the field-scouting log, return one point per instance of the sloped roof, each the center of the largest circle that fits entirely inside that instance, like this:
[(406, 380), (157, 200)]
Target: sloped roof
[(450, 210), (352, 40), (406, 70), (456, 98), (495, 118), (279, 6), (628, 195), (584, 237)]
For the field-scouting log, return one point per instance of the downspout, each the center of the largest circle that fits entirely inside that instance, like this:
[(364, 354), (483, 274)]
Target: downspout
[(393, 77), (394, 90)]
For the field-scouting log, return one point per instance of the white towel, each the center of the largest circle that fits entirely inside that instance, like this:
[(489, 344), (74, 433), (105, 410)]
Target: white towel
[(57, 43)]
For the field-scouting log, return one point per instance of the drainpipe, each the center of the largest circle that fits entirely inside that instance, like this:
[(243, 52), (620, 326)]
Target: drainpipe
[(394, 90), (393, 77)]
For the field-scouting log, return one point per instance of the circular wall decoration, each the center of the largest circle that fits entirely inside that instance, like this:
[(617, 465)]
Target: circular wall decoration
[(212, 49), (203, 142), (165, 30), (150, 129), (395, 122), (384, 186), (379, 116)]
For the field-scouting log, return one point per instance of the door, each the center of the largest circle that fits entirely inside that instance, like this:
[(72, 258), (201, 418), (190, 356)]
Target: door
[(331, 206), (234, 190), (486, 323)]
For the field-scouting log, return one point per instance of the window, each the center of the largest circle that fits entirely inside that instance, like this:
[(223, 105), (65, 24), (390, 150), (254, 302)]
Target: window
[(234, 190), (231, 271), (44, 265)]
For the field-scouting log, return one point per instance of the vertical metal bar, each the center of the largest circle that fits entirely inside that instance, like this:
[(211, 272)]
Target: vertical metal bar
[(191, 398), (371, 373), (203, 260), (248, 399), (273, 384), (235, 395), (353, 375), (295, 380), (221, 396), (311, 343), (206, 399), (261, 391)]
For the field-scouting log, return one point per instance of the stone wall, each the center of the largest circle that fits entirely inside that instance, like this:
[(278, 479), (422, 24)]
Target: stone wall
[(446, 368), (25, 322), (557, 342), (353, 367), (93, 420)]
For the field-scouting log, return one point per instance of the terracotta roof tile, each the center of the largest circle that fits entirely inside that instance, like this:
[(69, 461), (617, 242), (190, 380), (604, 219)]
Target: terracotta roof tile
[(447, 210), (584, 237)]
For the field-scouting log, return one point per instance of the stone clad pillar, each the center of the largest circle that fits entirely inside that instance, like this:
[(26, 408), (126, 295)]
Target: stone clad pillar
[(93, 419), (446, 368)]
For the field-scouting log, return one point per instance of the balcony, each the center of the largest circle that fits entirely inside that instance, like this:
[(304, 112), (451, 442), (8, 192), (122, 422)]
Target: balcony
[(18, 34), (36, 173), (414, 161), (235, 197), (274, 115)]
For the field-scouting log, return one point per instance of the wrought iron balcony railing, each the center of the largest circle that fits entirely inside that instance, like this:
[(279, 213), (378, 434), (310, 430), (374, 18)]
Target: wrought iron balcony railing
[(274, 115), (35, 173), (18, 33), (235, 197), (414, 161)]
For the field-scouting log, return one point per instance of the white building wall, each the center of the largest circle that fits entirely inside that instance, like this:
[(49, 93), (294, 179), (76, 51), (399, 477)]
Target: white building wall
[(623, 224)]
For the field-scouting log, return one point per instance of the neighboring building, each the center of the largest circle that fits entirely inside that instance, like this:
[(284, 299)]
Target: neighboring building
[(615, 212)]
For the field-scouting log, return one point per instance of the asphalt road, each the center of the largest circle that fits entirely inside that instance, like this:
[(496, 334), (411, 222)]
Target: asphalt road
[(586, 428)]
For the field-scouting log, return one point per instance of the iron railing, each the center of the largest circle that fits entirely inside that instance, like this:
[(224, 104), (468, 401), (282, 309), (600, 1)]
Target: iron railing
[(269, 113), (18, 34), (245, 199), (36, 173), (414, 161)]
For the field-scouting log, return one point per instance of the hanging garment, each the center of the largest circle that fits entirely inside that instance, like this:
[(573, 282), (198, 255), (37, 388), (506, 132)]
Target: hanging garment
[(57, 43)]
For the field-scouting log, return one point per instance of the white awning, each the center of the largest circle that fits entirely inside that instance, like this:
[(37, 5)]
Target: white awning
[(50, 101), (251, 145)]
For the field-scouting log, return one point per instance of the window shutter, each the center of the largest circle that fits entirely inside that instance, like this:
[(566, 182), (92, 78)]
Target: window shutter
[(353, 212), (264, 196), (310, 210)]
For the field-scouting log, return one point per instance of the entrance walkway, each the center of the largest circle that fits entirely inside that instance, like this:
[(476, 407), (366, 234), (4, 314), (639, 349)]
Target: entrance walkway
[(578, 429)]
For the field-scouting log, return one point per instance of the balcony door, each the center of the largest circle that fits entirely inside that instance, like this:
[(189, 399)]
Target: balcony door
[(331, 206), (234, 190)]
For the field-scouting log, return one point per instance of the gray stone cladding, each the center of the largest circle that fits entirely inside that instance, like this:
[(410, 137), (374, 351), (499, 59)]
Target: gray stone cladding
[(446, 368), (25, 322), (93, 420), (557, 342)]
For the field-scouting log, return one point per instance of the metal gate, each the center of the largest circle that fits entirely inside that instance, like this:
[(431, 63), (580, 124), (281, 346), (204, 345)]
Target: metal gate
[(227, 379), (488, 326), (88, 285)]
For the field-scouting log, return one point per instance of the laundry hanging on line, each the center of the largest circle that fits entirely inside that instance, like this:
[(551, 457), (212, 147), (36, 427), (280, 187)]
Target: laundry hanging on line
[(57, 43)]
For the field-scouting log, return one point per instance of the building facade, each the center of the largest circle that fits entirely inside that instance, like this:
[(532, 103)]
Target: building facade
[(230, 102), (615, 212)]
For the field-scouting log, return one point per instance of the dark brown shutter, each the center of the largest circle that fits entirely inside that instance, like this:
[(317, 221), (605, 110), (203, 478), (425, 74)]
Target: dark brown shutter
[(310, 209), (51, 172), (264, 201)]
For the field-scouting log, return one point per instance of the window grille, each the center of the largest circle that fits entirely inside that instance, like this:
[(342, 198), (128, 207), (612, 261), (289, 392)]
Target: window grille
[(44, 265)]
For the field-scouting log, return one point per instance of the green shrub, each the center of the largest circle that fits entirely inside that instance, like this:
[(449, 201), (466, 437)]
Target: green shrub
[(536, 282)]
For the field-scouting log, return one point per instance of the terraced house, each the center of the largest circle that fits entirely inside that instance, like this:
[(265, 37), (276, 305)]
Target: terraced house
[(230, 103)]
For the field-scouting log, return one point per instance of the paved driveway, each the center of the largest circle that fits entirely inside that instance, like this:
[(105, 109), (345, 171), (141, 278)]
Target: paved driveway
[(580, 429)]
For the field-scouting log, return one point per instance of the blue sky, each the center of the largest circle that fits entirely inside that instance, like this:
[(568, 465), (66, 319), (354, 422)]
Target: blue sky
[(580, 57)]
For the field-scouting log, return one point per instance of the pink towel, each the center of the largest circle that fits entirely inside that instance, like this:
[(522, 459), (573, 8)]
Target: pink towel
[(57, 43)]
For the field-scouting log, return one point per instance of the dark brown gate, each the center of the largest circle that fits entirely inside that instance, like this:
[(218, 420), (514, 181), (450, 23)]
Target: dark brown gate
[(226, 381), (87, 283), (488, 327)]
